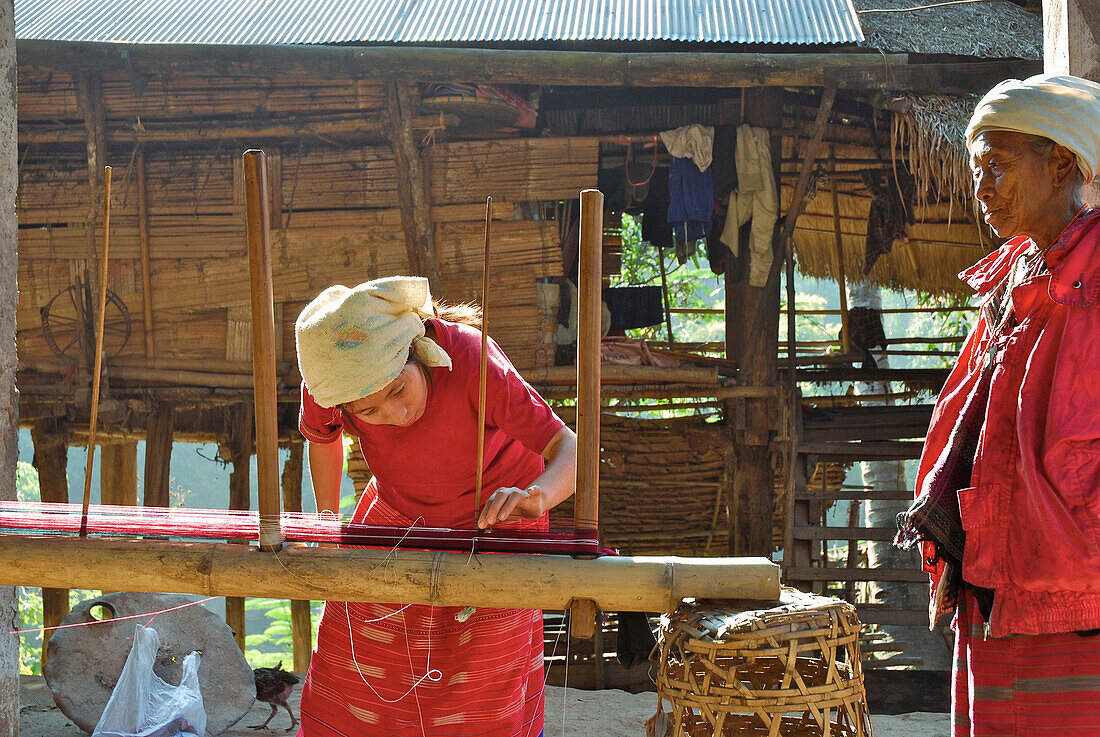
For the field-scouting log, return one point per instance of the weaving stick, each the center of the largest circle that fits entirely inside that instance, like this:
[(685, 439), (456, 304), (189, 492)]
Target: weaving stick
[(102, 306), (484, 368), (263, 348)]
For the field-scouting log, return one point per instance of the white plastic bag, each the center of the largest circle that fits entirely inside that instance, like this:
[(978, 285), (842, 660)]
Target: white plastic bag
[(142, 704)]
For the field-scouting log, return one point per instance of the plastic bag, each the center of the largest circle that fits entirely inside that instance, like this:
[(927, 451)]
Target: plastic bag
[(142, 704)]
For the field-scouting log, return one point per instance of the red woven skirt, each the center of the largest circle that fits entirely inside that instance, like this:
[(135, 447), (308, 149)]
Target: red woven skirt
[(393, 670), (1024, 685)]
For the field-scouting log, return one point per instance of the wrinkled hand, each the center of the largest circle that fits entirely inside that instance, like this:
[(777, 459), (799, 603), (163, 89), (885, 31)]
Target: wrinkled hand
[(506, 502)]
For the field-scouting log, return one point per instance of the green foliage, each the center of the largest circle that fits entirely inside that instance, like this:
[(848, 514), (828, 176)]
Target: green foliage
[(274, 644)]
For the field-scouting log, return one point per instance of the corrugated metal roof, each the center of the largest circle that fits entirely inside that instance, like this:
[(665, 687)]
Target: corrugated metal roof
[(272, 22)]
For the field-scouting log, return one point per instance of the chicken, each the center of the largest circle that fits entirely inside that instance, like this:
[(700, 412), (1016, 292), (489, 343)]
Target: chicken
[(273, 686)]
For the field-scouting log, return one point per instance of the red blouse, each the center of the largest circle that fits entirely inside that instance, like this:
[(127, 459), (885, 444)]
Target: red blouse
[(427, 470)]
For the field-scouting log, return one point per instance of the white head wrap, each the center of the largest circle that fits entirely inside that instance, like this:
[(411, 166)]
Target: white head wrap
[(1063, 108), (353, 342)]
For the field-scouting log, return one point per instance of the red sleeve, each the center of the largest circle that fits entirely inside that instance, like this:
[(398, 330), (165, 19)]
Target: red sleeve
[(316, 423), (514, 406)]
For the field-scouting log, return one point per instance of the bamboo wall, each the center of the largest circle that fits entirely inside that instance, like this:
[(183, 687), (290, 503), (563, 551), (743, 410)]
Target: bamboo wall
[(334, 205)]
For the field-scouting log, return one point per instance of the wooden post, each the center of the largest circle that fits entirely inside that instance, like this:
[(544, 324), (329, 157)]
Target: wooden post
[(412, 189), (586, 507), (589, 302), (263, 349), (1071, 45), (118, 473), (301, 627), (9, 397), (752, 494), (158, 454), (51, 457), (240, 453), (146, 272)]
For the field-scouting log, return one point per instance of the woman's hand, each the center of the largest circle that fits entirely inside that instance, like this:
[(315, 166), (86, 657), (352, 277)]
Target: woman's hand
[(503, 503)]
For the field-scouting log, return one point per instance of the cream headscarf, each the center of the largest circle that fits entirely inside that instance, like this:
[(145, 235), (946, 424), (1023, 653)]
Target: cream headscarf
[(353, 342), (1063, 108)]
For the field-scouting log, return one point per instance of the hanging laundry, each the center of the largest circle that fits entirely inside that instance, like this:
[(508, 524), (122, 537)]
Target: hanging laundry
[(891, 210), (695, 142), (723, 165), (656, 229), (754, 199), (691, 201), (635, 306)]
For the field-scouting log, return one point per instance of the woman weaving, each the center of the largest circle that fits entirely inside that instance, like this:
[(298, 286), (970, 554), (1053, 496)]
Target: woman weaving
[(379, 364)]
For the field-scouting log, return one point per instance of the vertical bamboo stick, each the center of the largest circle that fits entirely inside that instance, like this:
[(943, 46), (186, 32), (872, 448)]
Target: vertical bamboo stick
[(484, 367), (590, 275), (146, 273), (102, 309), (845, 337), (263, 348)]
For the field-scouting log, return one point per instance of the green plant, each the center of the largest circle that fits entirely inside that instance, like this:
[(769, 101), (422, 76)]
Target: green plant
[(274, 644)]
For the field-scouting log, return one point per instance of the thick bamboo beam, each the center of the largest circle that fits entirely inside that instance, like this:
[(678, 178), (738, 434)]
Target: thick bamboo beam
[(615, 583), (589, 301), (414, 64), (263, 348)]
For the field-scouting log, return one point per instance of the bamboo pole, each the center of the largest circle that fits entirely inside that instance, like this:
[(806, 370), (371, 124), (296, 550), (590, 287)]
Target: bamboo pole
[(615, 583), (484, 363), (589, 300), (101, 312), (845, 334), (263, 348)]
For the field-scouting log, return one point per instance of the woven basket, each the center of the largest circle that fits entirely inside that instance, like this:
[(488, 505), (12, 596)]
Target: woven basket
[(790, 671)]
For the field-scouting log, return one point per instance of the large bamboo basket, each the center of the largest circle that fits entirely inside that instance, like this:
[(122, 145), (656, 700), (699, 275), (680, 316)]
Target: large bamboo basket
[(790, 671)]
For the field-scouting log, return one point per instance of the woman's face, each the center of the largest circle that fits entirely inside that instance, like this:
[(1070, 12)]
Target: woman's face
[(1014, 184), (401, 402)]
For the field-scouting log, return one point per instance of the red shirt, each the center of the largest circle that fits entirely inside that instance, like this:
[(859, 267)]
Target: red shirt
[(1032, 514), (427, 470)]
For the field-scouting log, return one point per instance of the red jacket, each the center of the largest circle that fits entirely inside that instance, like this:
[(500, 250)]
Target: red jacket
[(1032, 516)]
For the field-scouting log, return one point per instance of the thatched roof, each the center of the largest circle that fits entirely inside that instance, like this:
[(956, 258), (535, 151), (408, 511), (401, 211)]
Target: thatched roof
[(993, 29)]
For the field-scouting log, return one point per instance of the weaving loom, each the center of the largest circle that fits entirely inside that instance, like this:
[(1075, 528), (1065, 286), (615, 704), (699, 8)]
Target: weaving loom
[(51, 546)]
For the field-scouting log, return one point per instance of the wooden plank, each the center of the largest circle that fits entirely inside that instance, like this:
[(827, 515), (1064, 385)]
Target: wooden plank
[(877, 450), (158, 454), (118, 473), (873, 615), (855, 574), (810, 532), (415, 64)]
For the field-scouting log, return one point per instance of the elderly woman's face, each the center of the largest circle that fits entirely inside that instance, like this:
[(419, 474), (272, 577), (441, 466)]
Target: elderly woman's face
[(1013, 182), (401, 402)]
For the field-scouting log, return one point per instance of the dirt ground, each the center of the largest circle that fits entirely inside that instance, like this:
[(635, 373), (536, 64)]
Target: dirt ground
[(586, 713)]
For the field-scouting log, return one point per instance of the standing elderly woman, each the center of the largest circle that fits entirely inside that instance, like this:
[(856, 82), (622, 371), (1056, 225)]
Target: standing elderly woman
[(378, 363), (1008, 512)]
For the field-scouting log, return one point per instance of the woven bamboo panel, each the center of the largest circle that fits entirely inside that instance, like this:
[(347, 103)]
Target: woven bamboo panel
[(644, 466), (331, 179), (52, 96), (790, 671), (515, 169)]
